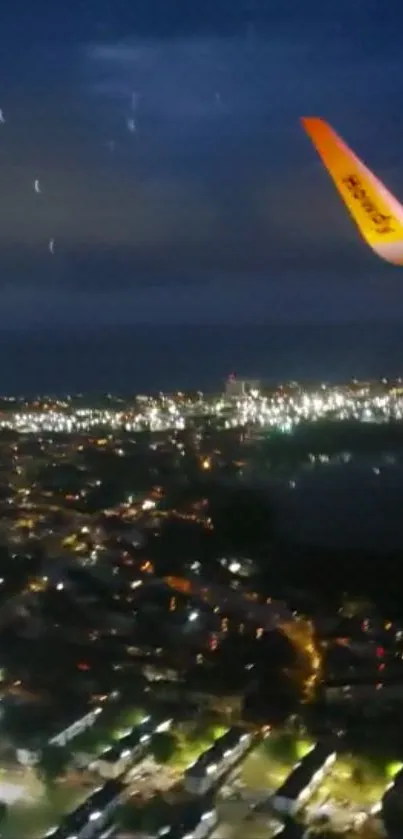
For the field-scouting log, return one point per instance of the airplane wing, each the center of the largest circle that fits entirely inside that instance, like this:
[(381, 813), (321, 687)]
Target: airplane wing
[(377, 214)]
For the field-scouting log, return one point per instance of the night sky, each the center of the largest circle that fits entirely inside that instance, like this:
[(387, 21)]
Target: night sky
[(212, 205)]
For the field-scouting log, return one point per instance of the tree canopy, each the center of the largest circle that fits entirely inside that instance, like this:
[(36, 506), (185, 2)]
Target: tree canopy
[(53, 762), (282, 747), (163, 746), (90, 740), (148, 819), (19, 725)]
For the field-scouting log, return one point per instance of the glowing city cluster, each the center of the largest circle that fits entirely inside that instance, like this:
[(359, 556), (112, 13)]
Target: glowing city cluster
[(282, 408)]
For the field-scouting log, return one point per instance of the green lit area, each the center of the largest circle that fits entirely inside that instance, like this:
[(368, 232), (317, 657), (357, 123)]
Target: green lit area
[(39, 808), (303, 747), (358, 780), (191, 743), (269, 764), (393, 768)]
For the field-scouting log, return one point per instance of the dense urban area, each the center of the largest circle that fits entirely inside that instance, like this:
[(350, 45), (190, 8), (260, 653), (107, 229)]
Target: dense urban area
[(174, 664)]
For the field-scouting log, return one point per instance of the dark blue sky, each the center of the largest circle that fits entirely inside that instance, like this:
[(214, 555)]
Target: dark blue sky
[(216, 207)]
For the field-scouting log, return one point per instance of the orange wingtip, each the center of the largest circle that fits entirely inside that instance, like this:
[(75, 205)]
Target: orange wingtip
[(376, 212), (314, 124)]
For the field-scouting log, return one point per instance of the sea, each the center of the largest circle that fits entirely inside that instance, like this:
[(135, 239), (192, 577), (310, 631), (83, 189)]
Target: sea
[(148, 358)]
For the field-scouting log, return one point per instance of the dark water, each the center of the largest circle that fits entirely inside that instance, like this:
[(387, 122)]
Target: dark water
[(149, 358), (356, 505)]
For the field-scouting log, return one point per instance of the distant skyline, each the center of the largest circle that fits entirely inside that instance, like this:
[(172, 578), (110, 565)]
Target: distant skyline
[(175, 179)]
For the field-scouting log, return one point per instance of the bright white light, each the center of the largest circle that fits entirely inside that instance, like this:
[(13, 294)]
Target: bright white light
[(10, 793), (193, 616), (234, 566), (148, 504), (164, 726)]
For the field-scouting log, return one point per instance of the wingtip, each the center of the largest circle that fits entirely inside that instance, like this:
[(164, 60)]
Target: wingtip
[(311, 122)]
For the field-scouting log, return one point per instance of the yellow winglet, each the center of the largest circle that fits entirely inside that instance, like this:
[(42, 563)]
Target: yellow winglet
[(377, 214)]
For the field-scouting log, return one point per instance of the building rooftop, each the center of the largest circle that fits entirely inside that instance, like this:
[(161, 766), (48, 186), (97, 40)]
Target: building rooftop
[(102, 797), (190, 817), (303, 772), (74, 822), (216, 752), (44, 720), (130, 742)]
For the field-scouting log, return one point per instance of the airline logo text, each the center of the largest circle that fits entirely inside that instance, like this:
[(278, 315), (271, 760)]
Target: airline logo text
[(383, 224)]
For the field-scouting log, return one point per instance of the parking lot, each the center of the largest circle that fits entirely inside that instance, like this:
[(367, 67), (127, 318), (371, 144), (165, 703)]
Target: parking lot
[(237, 820), (149, 778)]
